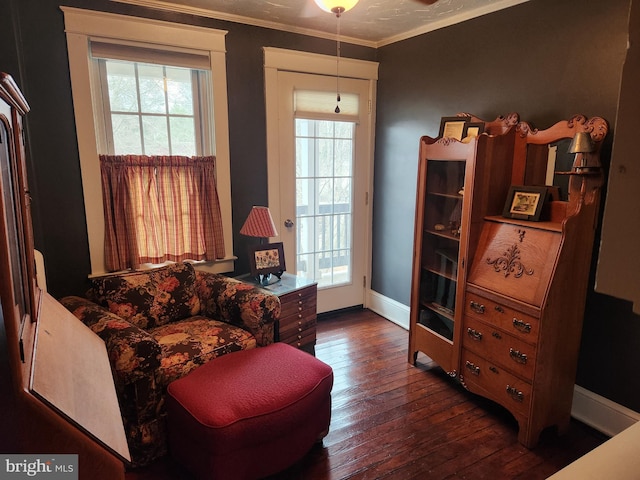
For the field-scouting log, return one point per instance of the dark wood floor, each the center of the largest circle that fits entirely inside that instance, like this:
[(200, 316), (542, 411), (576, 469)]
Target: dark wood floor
[(392, 420)]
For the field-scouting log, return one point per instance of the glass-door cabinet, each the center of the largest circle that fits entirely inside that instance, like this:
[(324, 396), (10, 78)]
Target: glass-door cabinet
[(459, 183), (442, 217)]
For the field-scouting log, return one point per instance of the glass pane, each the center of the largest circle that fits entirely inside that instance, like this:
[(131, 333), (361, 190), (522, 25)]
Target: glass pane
[(440, 245), (305, 197), (179, 91), (305, 157), (326, 156), (126, 134), (182, 136), (121, 80), (151, 81), (305, 235), (156, 137)]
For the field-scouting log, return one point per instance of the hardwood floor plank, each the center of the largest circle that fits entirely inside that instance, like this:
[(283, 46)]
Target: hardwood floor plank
[(392, 420)]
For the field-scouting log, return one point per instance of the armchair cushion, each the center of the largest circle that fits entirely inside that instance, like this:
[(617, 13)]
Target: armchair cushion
[(149, 299), (189, 343)]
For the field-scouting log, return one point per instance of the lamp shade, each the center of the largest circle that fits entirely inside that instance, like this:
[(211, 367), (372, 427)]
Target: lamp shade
[(336, 6), (259, 223), (581, 143)]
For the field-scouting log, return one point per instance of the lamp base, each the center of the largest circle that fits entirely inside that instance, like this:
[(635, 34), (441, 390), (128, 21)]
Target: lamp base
[(268, 279)]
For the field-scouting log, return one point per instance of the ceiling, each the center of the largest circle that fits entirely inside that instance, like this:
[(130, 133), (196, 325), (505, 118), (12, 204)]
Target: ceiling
[(372, 23)]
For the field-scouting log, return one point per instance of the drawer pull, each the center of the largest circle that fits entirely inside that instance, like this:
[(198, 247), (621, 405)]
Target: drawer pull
[(521, 326), (473, 368), (518, 356), (477, 307), (493, 369), (514, 393), (499, 309), (496, 335), (474, 334)]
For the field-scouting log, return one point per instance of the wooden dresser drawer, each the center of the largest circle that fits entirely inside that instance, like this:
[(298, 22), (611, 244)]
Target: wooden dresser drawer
[(521, 325), (492, 381), (295, 302), (497, 346)]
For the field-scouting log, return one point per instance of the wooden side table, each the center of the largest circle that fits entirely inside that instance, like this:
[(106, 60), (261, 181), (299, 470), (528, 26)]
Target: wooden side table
[(298, 299)]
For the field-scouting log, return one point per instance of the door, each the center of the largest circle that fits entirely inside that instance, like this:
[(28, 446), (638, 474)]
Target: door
[(324, 173)]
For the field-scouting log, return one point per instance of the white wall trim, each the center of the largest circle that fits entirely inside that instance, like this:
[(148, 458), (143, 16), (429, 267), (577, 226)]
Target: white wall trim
[(589, 408), (601, 413), (388, 308)]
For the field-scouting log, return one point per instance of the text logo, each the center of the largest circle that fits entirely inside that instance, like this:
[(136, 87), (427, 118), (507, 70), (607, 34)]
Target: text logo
[(50, 467)]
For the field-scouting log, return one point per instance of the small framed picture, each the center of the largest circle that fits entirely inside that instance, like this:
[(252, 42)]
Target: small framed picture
[(473, 129), (525, 203), (267, 258), (453, 127)]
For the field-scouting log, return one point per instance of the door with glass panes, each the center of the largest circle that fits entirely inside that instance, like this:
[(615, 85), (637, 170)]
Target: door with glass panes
[(324, 171)]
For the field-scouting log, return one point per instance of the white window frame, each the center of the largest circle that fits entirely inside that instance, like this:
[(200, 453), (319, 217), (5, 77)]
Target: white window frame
[(81, 26)]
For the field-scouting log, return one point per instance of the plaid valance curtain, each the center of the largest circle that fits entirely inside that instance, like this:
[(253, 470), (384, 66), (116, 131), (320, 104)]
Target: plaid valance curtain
[(160, 208)]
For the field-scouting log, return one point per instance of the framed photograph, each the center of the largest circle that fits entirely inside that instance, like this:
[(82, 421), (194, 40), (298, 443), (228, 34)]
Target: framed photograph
[(453, 127), (525, 203), (473, 129), (267, 258)]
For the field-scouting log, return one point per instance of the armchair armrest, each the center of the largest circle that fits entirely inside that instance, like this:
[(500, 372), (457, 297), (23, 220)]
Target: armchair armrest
[(239, 303), (133, 353)]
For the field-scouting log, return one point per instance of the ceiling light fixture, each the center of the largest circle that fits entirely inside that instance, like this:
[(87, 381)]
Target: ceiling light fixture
[(338, 7)]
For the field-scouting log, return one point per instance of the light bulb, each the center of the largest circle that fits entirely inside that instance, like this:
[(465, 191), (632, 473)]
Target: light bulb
[(336, 6)]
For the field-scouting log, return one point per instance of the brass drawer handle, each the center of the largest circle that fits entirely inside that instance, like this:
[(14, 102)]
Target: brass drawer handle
[(521, 326), (473, 368), (518, 356), (514, 393), (474, 334), (477, 307)]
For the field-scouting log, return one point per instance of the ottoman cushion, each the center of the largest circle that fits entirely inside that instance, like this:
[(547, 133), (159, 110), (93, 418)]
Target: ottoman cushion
[(249, 414)]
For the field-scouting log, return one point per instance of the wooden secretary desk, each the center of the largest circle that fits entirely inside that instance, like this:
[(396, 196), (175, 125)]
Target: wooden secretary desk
[(56, 389), (520, 285)]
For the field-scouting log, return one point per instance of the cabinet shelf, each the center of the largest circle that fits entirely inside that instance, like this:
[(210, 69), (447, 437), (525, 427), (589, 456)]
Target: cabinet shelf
[(443, 234)]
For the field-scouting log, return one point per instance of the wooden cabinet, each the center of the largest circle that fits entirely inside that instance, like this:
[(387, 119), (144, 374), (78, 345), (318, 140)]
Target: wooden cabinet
[(447, 215), (520, 319)]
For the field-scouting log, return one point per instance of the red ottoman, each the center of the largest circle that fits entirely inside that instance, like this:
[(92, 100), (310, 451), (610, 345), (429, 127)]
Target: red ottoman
[(249, 414)]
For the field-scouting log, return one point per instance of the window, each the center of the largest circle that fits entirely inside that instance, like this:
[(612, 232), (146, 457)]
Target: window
[(150, 109), (157, 86)]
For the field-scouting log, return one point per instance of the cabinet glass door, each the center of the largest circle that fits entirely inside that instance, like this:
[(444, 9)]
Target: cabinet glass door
[(441, 245)]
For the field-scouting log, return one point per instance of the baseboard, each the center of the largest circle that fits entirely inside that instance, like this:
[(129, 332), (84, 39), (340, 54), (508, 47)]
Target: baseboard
[(590, 408), (388, 308), (601, 413)]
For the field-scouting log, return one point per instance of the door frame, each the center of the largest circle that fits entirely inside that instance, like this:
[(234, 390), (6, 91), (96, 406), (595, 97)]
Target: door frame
[(275, 60)]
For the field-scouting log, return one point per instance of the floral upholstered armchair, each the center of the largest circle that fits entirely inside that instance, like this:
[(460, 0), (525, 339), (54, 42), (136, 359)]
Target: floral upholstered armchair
[(159, 325)]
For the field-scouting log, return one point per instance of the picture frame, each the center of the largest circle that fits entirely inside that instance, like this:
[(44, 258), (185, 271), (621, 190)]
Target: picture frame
[(473, 129), (453, 127), (525, 202), (266, 259)]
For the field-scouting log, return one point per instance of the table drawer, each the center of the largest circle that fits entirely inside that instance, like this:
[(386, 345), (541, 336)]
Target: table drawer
[(500, 347), (296, 302), (492, 381), (300, 339), (521, 325)]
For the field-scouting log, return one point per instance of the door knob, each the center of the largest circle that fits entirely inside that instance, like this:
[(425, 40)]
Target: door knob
[(288, 223)]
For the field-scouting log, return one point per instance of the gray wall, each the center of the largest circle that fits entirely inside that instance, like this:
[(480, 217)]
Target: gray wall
[(546, 60)]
